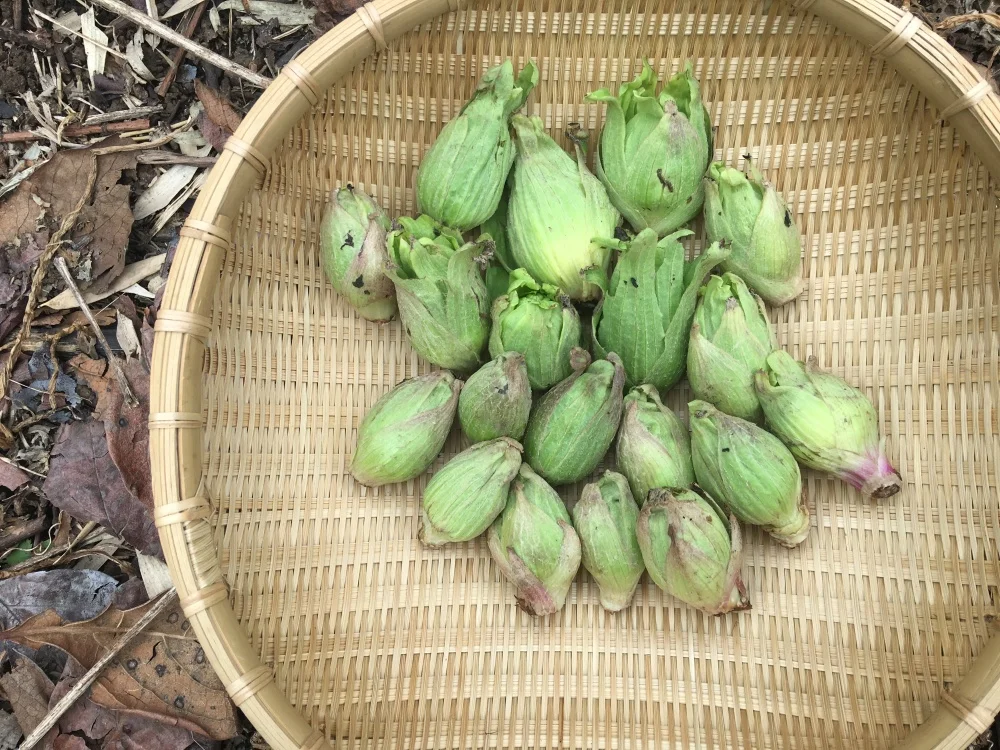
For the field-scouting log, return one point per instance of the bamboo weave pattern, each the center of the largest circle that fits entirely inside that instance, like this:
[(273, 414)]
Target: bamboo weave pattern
[(853, 636)]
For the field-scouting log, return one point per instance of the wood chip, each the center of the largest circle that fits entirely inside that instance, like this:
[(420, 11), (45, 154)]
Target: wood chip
[(95, 44)]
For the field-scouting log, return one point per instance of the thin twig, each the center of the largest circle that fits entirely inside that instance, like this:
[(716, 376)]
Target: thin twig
[(53, 245), (165, 32), (170, 157), (116, 368), (67, 701), (187, 26), (77, 131), (124, 114)]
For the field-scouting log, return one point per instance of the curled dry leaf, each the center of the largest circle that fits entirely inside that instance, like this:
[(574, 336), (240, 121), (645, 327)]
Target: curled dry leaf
[(162, 672)]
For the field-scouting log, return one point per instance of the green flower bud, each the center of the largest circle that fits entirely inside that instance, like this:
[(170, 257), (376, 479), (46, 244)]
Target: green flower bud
[(352, 244), (496, 400), (443, 302), (404, 431), (645, 315), (468, 493), (535, 545), (730, 339), (605, 518), (572, 426), (750, 472), (827, 424), (463, 173), (540, 322), (692, 551), (654, 150), (748, 214), (653, 448), (559, 212)]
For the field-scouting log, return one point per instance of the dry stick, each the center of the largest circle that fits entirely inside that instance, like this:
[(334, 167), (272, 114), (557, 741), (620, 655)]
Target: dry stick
[(116, 367), (94, 672), (165, 32), (188, 25), (54, 243), (125, 114), (76, 131), (169, 157)]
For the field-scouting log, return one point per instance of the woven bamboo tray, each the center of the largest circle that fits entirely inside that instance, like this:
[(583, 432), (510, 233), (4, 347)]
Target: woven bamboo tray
[(315, 603)]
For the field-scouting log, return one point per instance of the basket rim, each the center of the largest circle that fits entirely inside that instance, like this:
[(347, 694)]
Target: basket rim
[(917, 53)]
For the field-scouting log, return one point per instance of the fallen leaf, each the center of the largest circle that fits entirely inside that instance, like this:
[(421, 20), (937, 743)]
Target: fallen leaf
[(175, 205), (120, 729), (261, 11), (180, 6), (11, 477), (219, 120), (72, 594), (133, 272), (133, 54), (48, 321), (14, 284), (27, 689), (103, 227), (163, 190), (10, 731), (68, 742), (95, 43), (132, 593), (127, 434), (162, 671), (103, 317), (84, 481), (128, 339), (147, 334), (96, 374)]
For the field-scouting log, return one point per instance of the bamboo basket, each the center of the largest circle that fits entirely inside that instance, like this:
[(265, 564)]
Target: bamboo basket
[(318, 608)]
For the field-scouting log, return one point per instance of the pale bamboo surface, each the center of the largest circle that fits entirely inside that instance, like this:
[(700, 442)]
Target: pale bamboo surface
[(875, 633)]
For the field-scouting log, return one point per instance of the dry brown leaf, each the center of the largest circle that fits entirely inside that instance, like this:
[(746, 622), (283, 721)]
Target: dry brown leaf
[(11, 477), (162, 672), (96, 374), (54, 190), (68, 742), (84, 481), (219, 120), (27, 690), (127, 433)]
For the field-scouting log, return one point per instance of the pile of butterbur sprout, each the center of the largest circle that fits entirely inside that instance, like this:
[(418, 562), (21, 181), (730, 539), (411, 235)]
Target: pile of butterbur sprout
[(564, 300)]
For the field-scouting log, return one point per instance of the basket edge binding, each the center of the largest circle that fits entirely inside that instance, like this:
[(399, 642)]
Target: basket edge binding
[(182, 510)]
